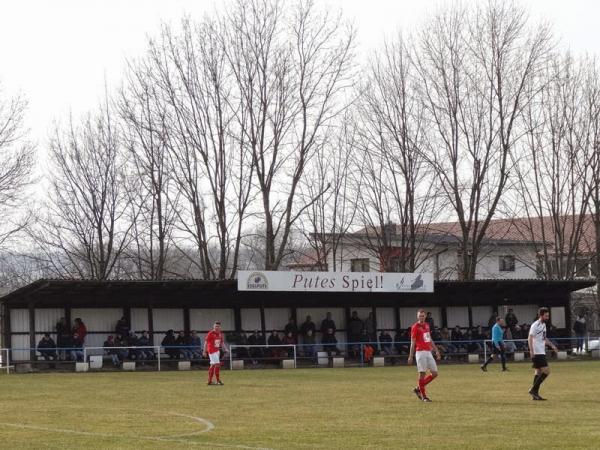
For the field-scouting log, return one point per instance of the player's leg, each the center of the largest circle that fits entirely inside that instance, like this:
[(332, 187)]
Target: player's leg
[(503, 358), (489, 360), (422, 372), (433, 373)]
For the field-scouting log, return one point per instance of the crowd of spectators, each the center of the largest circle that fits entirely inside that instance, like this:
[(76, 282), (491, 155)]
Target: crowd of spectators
[(361, 337)]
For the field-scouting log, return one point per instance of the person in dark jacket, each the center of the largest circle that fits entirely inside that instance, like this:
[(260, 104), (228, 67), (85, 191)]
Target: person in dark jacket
[(291, 328), (47, 348), (170, 345), (328, 323), (580, 328), (195, 344), (182, 342), (307, 325), (144, 341), (112, 352), (63, 337), (122, 327), (80, 329), (385, 342), (330, 342)]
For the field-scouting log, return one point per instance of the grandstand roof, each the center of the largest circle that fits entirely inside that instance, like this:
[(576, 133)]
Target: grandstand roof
[(221, 293)]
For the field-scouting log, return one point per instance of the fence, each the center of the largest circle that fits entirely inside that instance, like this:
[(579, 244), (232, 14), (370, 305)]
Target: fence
[(395, 350)]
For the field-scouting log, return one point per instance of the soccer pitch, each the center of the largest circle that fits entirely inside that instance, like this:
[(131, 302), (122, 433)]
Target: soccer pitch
[(304, 408)]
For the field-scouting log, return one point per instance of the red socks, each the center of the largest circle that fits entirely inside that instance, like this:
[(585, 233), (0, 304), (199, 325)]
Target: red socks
[(424, 382), (211, 372), (217, 371)]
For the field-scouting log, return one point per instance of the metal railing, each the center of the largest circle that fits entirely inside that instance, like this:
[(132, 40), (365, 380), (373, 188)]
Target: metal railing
[(396, 350)]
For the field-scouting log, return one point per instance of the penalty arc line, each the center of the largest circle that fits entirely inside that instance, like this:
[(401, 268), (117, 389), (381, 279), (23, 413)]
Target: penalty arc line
[(177, 439)]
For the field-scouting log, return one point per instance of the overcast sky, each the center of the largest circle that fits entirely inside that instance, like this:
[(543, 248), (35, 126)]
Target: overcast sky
[(59, 52)]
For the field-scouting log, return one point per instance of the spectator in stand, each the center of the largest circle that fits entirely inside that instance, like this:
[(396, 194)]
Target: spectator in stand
[(457, 338), (79, 329), (47, 348), (402, 340), (255, 352), (182, 344), (328, 323), (122, 352), (437, 338), (429, 320), (330, 342), (371, 327), (242, 352), (511, 319), (580, 328), (309, 344), (291, 328), (445, 338), (63, 337), (509, 344), (144, 341), (492, 319), (385, 342), (289, 339), (122, 327), (113, 352), (355, 328), (77, 348), (274, 339), (195, 344), (474, 343), (307, 325), (170, 345), (552, 335), (131, 340)]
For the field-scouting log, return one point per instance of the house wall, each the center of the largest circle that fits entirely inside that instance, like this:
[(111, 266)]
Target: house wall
[(487, 267)]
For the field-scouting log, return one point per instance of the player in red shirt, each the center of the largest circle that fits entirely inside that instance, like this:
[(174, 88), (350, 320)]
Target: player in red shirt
[(421, 344), (213, 344)]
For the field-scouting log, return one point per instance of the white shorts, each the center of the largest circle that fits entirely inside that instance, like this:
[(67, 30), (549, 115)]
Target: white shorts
[(214, 357), (425, 360)]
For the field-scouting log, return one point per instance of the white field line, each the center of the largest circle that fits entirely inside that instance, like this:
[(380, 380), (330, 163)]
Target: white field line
[(208, 426)]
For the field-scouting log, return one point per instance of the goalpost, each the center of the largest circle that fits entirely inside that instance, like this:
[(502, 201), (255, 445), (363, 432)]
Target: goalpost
[(265, 347)]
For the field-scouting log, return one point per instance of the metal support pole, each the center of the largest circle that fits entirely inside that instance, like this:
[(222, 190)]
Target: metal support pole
[(231, 357), (158, 356)]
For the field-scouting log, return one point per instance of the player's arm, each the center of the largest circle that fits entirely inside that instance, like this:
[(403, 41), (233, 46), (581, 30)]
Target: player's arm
[(550, 344), (224, 346), (530, 343), (411, 354)]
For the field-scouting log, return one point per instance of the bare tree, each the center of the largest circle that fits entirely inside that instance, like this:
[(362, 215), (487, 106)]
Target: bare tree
[(329, 217), (291, 64), (553, 173), (17, 159), (82, 232), (477, 70), (398, 192), (154, 198), (211, 165)]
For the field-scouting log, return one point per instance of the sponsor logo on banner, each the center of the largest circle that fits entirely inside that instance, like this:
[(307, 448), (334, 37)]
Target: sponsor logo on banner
[(257, 280), (334, 281)]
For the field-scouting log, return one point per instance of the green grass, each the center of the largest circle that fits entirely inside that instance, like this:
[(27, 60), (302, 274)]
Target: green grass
[(305, 408)]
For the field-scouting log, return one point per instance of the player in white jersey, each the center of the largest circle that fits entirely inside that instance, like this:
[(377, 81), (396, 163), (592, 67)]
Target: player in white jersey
[(537, 349)]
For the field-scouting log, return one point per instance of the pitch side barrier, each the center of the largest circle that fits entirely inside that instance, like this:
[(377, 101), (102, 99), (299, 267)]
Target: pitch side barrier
[(158, 354), (395, 351)]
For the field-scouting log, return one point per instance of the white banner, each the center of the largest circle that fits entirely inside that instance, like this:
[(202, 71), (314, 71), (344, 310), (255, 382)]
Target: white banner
[(261, 280)]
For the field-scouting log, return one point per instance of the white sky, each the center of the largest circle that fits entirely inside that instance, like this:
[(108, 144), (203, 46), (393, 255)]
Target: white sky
[(59, 52)]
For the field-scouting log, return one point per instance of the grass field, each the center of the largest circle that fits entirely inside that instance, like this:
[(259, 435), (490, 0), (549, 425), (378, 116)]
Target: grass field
[(304, 408)]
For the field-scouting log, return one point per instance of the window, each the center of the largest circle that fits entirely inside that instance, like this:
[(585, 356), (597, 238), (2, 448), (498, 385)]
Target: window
[(359, 265), (507, 263)]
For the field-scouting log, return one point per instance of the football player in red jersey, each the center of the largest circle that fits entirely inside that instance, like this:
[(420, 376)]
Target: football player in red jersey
[(421, 342), (213, 344)]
